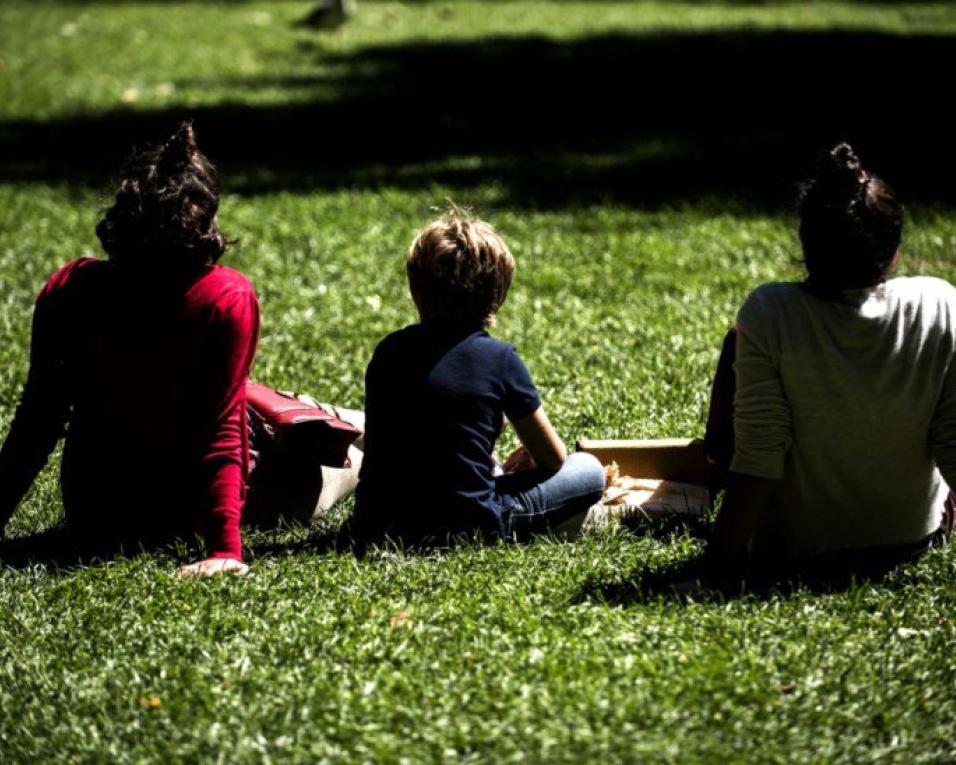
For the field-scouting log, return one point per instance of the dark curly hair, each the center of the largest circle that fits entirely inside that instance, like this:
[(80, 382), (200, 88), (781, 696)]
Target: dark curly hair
[(166, 207), (851, 223)]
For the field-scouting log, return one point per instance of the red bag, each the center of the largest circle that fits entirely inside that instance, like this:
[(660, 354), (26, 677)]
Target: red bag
[(291, 441), (300, 431)]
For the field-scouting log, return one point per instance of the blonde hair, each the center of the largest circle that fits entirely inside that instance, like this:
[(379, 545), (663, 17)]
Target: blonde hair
[(459, 270)]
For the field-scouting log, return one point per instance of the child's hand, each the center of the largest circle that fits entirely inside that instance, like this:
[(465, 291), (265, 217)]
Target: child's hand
[(519, 459), (213, 567)]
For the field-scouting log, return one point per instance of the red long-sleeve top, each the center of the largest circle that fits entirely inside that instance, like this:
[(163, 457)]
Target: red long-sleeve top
[(145, 376)]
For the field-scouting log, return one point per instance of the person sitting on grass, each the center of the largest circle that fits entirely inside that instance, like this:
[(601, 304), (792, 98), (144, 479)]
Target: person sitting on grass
[(140, 361), (436, 393), (834, 406)]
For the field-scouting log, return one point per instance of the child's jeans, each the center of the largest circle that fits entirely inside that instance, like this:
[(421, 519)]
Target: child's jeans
[(537, 502)]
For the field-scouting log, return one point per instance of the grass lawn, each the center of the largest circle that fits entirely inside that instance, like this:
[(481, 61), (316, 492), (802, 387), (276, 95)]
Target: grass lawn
[(640, 159)]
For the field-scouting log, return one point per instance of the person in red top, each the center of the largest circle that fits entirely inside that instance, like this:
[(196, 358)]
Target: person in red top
[(140, 361)]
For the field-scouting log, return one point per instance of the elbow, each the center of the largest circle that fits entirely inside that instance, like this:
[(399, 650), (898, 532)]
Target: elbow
[(554, 459)]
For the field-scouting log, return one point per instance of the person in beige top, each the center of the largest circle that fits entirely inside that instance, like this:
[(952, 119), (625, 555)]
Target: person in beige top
[(843, 438)]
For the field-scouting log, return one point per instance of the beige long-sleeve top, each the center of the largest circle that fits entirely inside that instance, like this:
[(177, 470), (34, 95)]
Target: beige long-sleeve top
[(852, 403)]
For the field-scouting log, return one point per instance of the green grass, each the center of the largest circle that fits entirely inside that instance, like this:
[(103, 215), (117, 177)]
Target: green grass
[(498, 654)]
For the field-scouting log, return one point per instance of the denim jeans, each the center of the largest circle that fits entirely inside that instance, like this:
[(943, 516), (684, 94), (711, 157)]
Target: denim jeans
[(537, 502)]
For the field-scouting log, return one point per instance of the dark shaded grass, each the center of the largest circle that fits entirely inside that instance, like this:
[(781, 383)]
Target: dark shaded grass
[(643, 119)]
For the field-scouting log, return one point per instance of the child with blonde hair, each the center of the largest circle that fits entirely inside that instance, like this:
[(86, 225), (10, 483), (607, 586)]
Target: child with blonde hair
[(437, 393)]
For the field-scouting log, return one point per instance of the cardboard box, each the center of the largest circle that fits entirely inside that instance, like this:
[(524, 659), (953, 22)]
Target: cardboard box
[(660, 478), (673, 459)]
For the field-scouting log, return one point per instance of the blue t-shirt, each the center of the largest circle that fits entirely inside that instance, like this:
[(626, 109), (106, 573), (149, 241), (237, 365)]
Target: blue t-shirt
[(434, 400)]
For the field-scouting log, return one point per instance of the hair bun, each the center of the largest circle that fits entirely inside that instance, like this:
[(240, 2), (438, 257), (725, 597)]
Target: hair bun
[(850, 224), (841, 169), (180, 148)]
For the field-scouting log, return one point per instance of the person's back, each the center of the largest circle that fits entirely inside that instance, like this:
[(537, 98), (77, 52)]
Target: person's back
[(142, 366), (435, 397), (843, 395), (141, 361), (436, 394), (862, 376)]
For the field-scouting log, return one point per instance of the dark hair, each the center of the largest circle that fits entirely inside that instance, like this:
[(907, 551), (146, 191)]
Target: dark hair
[(850, 224), (166, 207)]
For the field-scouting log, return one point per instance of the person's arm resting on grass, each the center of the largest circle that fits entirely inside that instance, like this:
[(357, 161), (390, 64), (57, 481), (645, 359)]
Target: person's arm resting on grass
[(223, 391), (764, 434), (43, 411)]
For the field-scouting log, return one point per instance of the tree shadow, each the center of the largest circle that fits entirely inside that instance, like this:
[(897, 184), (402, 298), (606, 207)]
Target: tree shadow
[(638, 119)]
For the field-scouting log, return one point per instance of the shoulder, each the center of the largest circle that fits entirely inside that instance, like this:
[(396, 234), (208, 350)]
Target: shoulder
[(767, 312), (926, 301), (922, 288), (506, 359), (224, 299), (222, 282), (73, 276), (398, 339), (491, 345), (394, 344), (770, 299), (775, 293), (230, 277), (497, 353), (225, 292)]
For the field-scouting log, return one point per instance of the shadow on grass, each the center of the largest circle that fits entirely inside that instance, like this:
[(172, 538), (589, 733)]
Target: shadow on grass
[(693, 580), (293, 541), (57, 549), (645, 120), (669, 527)]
